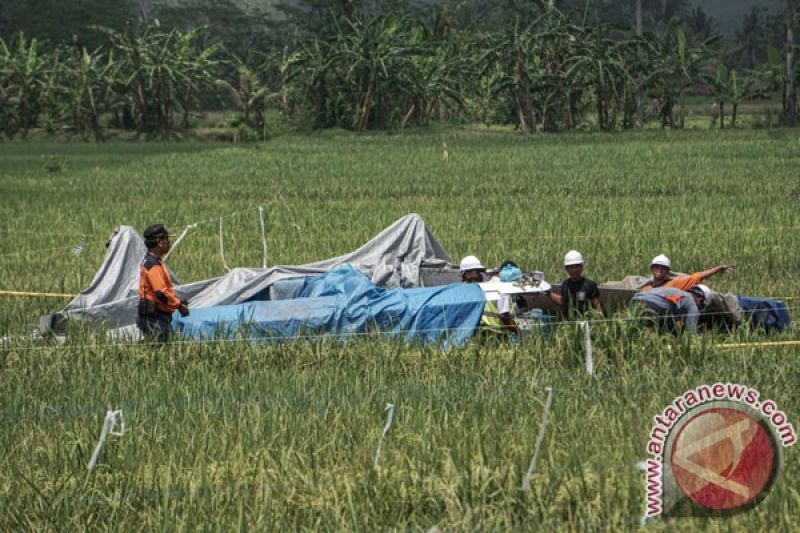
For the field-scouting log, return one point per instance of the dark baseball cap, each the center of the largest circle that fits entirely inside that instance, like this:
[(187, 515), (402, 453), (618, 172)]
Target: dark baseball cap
[(155, 231)]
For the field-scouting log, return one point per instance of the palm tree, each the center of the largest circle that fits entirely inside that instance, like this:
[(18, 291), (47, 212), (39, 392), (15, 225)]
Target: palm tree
[(663, 12), (789, 97), (727, 87), (531, 60), (599, 63), (250, 93), (88, 79), (700, 25), (376, 55), (161, 73), (375, 71), (438, 79), (26, 79), (518, 46), (680, 66), (751, 39)]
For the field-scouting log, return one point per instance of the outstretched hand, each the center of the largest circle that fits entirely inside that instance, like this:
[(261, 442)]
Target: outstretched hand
[(725, 269)]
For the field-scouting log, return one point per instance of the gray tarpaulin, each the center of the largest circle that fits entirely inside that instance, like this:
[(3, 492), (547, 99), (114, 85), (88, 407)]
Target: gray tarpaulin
[(118, 276), (391, 259)]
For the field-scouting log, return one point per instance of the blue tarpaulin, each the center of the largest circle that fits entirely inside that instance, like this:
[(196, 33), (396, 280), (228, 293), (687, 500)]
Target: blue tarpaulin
[(772, 315), (344, 302)]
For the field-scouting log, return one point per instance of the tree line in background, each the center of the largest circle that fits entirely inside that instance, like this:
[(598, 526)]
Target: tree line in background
[(542, 65)]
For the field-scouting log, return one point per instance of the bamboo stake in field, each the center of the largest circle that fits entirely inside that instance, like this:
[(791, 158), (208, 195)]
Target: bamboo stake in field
[(390, 408), (263, 236), (222, 247), (109, 423), (587, 342), (526, 484)]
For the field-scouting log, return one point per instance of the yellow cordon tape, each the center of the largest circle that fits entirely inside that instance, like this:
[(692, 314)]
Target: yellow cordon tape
[(759, 344), (37, 294)]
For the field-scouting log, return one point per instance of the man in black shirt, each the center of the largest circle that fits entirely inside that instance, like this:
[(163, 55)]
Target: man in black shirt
[(578, 294)]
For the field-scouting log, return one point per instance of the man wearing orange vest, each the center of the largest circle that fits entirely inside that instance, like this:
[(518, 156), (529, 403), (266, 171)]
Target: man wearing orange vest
[(157, 298), (661, 269)]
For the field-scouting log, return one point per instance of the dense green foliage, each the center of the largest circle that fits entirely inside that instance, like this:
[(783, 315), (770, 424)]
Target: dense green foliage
[(349, 64), (241, 436), (146, 79)]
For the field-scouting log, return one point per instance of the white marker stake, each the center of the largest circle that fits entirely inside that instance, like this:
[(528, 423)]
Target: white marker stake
[(526, 484), (222, 247), (263, 236), (390, 408), (587, 341), (109, 424)]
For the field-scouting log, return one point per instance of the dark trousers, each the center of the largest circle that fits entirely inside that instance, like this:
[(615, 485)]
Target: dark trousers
[(157, 326), (664, 320)]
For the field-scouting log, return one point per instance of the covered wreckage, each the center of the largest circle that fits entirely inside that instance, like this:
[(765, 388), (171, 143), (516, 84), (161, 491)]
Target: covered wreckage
[(401, 282), (399, 257)]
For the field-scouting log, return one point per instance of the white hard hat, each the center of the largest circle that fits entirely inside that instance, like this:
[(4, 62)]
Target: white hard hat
[(704, 291), (470, 263), (573, 257), (661, 260)]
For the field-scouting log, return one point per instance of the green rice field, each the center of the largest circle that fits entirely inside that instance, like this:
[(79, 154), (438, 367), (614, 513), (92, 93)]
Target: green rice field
[(282, 436)]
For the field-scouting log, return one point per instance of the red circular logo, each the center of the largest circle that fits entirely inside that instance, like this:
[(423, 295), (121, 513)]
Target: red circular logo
[(723, 459)]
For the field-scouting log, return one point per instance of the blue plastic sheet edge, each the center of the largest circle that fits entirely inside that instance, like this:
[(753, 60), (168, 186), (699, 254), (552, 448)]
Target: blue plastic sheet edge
[(344, 303)]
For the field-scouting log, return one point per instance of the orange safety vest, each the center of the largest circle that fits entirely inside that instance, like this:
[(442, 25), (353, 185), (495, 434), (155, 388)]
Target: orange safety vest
[(683, 283), (155, 285)]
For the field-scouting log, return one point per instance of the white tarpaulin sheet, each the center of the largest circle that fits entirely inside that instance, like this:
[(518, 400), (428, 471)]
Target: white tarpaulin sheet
[(393, 258)]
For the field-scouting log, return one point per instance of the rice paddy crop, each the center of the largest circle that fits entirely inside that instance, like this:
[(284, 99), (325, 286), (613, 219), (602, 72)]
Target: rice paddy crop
[(282, 436)]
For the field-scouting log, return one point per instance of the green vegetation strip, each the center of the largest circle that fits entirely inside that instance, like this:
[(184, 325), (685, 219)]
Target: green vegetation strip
[(282, 435)]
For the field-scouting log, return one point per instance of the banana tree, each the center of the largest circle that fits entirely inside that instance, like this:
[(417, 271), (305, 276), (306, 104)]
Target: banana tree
[(789, 96), (25, 80), (376, 56), (599, 63), (250, 93), (438, 79), (161, 73), (512, 49), (681, 66), (195, 65), (532, 59), (727, 87), (87, 83), (310, 70)]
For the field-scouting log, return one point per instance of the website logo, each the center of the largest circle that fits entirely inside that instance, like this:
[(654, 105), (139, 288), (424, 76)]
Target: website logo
[(715, 450)]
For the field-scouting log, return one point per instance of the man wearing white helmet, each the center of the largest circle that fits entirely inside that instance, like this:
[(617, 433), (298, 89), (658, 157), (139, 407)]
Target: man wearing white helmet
[(661, 270), (471, 269), (578, 294), (497, 316), (702, 296)]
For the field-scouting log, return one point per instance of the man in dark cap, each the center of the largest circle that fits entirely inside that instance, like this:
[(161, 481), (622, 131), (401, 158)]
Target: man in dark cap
[(157, 298)]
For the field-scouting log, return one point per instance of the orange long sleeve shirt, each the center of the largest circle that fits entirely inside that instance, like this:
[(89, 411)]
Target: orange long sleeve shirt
[(683, 283), (155, 285)]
